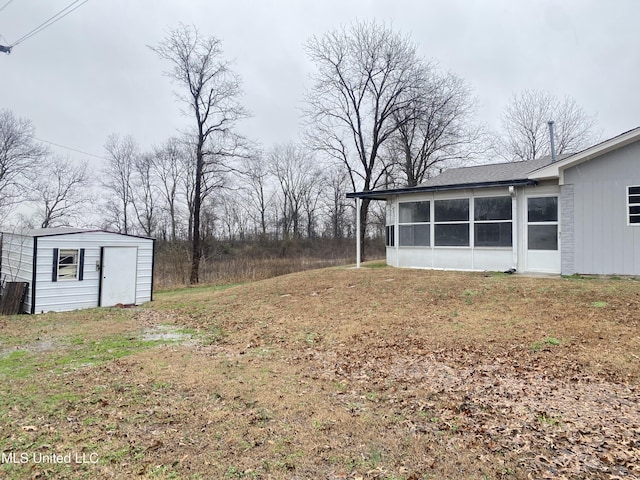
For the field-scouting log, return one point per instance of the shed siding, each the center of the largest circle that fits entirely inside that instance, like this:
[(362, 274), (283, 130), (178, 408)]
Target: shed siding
[(603, 242), (75, 294), (17, 261)]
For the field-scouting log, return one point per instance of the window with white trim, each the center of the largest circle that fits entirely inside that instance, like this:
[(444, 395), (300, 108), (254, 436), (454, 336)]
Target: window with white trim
[(68, 264), (542, 220), (390, 229), (414, 224), (451, 222), (492, 222), (633, 205)]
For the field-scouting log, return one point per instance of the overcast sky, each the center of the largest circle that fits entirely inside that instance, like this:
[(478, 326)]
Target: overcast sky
[(91, 73)]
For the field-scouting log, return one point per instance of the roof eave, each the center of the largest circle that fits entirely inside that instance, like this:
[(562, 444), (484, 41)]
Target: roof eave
[(383, 194)]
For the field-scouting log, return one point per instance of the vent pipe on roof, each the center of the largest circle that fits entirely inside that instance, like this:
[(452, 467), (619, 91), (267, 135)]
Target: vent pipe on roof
[(552, 140)]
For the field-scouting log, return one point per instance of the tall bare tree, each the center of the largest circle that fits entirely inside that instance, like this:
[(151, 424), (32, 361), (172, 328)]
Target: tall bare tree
[(167, 161), (19, 154), (210, 90), (60, 192), (435, 129), (294, 169), (118, 174), (145, 193), (336, 204), (526, 134), (258, 194), (366, 74)]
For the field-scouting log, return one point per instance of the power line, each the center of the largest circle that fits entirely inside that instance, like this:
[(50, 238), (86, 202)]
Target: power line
[(5, 5), (70, 148), (47, 23)]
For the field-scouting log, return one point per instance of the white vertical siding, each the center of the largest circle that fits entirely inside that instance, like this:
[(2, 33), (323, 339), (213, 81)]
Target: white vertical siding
[(17, 261), (604, 243), (567, 232)]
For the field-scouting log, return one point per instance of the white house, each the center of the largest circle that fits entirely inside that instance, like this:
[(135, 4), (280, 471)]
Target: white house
[(68, 269), (579, 214)]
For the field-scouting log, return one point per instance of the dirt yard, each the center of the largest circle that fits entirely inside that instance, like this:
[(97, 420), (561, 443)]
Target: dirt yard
[(375, 373)]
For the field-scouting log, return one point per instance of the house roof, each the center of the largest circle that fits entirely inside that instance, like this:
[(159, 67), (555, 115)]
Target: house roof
[(478, 176), (528, 172), (495, 172), (54, 231)]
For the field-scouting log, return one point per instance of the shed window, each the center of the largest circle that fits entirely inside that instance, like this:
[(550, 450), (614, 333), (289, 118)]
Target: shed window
[(414, 226), (492, 222), (633, 200), (68, 264), (452, 222)]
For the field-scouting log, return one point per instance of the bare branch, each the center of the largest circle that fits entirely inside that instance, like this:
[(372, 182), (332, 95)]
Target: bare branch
[(525, 127)]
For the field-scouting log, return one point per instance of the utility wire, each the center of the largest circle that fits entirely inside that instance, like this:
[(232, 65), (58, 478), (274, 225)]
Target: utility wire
[(5, 5), (70, 148), (47, 23)]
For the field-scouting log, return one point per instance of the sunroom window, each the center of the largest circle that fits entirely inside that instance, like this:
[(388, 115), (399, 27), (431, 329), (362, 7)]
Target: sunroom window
[(389, 229), (633, 200), (413, 225), (451, 219), (492, 222)]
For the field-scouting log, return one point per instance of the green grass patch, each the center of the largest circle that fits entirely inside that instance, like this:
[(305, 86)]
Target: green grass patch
[(375, 265), (79, 353), (17, 364), (105, 349), (599, 304), (547, 342)]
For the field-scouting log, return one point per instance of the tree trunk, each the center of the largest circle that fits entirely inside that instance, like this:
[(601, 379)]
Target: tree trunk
[(194, 277)]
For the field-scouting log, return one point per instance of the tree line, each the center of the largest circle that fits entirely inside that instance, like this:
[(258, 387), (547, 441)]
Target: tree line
[(376, 115)]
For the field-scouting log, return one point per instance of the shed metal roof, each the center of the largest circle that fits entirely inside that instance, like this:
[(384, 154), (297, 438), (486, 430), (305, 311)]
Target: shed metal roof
[(54, 231)]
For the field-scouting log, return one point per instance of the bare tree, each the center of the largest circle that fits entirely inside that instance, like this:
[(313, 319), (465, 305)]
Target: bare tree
[(295, 172), (118, 173), (336, 204), (366, 74), (144, 193), (167, 165), (19, 154), (257, 190), (435, 129), (526, 134), (60, 192), (211, 96)]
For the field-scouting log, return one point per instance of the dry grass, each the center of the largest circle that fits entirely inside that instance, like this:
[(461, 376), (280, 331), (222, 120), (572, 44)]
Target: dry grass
[(339, 373), (248, 261)]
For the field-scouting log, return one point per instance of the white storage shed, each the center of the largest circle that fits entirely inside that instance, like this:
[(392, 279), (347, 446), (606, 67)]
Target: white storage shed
[(69, 268)]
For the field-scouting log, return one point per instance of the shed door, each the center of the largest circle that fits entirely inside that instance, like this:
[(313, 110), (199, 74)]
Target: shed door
[(118, 276)]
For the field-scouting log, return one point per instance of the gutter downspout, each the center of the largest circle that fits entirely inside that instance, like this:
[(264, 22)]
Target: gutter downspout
[(514, 225)]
